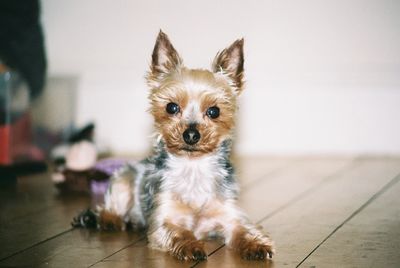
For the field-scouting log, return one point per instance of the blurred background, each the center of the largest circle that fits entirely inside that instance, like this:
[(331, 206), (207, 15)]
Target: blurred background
[(323, 77), (318, 133)]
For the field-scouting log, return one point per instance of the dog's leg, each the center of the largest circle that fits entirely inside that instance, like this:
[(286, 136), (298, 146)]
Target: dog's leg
[(119, 200), (178, 241), (171, 229), (245, 238)]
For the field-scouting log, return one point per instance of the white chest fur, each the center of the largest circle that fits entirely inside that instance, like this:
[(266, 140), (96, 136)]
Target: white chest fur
[(193, 180)]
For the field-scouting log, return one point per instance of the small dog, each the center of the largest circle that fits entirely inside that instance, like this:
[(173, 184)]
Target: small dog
[(186, 190)]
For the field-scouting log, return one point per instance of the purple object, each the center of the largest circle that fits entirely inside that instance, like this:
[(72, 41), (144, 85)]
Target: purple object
[(110, 165), (107, 166), (99, 187)]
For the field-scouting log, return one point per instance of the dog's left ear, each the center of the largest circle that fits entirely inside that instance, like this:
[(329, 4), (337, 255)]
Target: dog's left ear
[(230, 61), (164, 59)]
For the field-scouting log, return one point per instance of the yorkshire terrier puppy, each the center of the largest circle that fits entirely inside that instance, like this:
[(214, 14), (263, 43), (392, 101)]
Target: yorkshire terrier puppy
[(186, 191)]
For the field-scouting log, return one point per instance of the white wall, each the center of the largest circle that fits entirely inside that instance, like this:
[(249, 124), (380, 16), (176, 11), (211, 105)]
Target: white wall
[(323, 76)]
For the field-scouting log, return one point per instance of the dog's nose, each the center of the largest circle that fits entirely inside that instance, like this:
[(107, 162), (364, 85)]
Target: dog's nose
[(191, 135)]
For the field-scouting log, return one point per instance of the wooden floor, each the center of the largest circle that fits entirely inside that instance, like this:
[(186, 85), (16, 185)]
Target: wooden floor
[(321, 212)]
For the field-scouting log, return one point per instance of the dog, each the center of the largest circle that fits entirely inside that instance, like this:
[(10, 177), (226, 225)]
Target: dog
[(186, 191)]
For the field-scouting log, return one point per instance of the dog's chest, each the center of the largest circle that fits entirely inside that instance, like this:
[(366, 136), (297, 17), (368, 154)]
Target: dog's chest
[(194, 181)]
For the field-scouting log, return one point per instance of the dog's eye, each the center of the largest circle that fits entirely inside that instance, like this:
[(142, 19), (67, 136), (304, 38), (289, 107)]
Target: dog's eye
[(213, 112), (172, 108)]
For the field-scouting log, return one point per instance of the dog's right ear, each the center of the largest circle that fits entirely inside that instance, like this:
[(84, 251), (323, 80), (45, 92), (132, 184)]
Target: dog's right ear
[(230, 61), (164, 58)]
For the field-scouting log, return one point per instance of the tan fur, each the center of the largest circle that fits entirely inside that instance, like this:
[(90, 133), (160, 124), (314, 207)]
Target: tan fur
[(184, 244), (175, 89), (248, 246), (109, 221), (223, 219)]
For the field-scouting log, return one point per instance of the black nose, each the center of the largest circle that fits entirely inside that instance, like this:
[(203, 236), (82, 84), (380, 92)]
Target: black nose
[(191, 135)]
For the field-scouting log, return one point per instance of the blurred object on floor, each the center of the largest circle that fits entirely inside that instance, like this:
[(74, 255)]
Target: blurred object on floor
[(59, 152), (76, 166)]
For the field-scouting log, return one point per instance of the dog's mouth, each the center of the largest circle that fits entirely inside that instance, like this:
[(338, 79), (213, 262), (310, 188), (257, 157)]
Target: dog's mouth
[(189, 149)]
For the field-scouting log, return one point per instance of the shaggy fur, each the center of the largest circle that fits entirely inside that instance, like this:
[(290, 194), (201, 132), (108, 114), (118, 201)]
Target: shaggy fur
[(186, 190)]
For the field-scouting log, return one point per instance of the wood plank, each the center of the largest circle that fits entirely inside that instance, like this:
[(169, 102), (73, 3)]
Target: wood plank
[(40, 231), (27, 232), (370, 239), (34, 212), (30, 195), (250, 170), (76, 248), (139, 255), (300, 226), (303, 173)]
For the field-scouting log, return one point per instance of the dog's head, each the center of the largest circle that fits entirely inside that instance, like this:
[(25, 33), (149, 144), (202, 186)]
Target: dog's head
[(194, 109)]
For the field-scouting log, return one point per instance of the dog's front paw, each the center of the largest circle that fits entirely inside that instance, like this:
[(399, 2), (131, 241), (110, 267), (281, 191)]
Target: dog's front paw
[(252, 246), (191, 251), (257, 250)]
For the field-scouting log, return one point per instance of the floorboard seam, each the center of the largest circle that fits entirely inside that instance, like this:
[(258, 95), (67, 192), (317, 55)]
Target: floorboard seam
[(312, 189), (386, 187), (210, 254), (36, 244), (124, 247)]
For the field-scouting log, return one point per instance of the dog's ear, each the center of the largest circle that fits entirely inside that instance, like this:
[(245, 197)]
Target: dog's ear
[(230, 61), (164, 58)]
